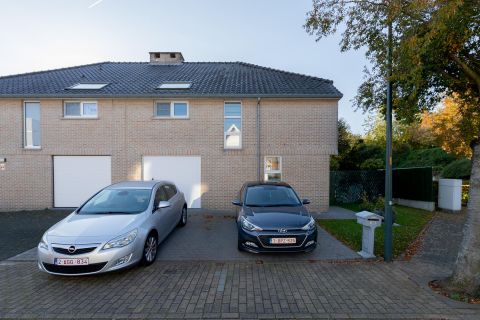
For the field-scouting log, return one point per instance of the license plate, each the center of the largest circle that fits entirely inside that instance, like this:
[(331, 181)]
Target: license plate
[(71, 262), (283, 240)]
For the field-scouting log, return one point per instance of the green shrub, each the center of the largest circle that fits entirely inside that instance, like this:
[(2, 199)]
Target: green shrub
[(434, 157), (465, 192), (458, 169), (371, 164), (372, 206)]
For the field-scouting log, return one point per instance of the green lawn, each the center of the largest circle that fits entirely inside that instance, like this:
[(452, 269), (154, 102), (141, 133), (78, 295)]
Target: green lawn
[(349, 232)]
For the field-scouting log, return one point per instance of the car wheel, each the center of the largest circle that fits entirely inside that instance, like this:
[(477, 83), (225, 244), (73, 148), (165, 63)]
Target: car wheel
[(239, 246), (150, 250), (183, 218)]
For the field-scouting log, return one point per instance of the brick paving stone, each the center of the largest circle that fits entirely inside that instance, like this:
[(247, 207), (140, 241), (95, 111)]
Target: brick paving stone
[(244, 288), (281, 290)]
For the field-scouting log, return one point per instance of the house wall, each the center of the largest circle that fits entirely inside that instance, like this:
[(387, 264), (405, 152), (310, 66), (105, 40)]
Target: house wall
[(303, 132)]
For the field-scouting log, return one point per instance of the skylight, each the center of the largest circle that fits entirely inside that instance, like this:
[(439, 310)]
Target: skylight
[(175, 85), (88, 86)]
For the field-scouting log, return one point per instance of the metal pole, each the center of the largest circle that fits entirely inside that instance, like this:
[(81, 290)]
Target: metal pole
[(388, 238)]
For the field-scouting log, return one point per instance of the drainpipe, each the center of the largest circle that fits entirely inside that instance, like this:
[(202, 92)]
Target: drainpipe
[(259, 155)]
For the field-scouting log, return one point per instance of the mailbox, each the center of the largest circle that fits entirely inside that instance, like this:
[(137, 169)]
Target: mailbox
[(369, 221)]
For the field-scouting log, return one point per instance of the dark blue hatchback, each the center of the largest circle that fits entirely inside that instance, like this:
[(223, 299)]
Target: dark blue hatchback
[(272, 218)]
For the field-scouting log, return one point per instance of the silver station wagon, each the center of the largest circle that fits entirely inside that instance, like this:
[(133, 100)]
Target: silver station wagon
[(118, 227)]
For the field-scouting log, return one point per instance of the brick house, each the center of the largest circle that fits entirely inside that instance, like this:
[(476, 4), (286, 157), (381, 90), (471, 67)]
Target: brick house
[(208, 126)]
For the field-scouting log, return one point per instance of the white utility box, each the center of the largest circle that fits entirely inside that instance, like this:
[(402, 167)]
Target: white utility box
[(369, 221), (450, 194)]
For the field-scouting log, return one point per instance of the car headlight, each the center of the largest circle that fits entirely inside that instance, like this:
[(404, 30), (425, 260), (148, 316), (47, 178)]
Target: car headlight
[(310, 225), (43, 244), (121, 241), (247, 225)]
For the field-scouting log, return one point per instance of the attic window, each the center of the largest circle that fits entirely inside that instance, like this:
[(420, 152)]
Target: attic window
[(88, 86), (175, 85)]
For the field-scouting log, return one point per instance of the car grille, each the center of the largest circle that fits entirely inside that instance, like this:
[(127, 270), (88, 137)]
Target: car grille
[(78, 251), (94, 267), (265, 240)]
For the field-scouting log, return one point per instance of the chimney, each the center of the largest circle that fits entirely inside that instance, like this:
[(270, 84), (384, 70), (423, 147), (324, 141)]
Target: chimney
[(166, 58)]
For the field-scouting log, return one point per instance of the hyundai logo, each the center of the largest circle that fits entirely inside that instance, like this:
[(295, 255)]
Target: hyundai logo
[(72, 249), (282, 230)]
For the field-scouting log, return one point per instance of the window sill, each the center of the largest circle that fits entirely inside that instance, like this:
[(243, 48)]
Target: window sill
[(232, 149), (80, 118), (171, 118), (32, 148)]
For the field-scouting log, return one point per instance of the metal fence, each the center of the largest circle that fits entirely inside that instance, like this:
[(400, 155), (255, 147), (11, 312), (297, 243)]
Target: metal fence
[(408, 183)]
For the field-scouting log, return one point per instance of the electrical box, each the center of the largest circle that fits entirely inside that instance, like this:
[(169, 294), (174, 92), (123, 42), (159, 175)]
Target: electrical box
[(450, 194)]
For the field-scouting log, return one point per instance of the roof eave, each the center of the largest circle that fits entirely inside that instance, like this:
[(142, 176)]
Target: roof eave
[(143, 96)]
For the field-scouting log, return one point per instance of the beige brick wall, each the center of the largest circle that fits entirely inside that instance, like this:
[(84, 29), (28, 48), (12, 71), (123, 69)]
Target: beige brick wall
[(303, 132)]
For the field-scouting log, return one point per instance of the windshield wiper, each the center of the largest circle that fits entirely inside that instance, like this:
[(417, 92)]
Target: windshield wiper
[(254, 205), (282, 205), (110, 212)]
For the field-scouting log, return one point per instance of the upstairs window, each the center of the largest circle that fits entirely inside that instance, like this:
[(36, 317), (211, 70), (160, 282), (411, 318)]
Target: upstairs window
[(273, 168), (171, 109), (80, 109), (88, 86), (232, 125), (31, 125)]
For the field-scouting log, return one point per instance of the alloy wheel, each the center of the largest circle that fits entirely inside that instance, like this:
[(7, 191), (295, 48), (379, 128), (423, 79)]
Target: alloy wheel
[(150, 251)]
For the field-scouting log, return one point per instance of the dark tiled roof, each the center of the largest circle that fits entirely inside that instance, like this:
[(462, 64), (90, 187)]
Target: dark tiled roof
[(137, 79)]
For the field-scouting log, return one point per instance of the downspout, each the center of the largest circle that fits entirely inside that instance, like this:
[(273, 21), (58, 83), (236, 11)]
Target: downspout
[(259, 155)]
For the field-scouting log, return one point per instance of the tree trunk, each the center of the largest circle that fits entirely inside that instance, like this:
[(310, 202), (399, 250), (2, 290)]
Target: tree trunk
[(466, 274)]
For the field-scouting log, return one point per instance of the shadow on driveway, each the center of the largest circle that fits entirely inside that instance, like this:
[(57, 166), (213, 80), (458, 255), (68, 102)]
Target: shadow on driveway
[(22, 230), (212, 235)]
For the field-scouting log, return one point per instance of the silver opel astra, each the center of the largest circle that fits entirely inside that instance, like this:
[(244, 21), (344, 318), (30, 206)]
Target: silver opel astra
[(118, 227)]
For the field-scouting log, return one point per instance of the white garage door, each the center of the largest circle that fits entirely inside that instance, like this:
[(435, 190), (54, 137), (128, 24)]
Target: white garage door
[(77, 178), (185, 172)]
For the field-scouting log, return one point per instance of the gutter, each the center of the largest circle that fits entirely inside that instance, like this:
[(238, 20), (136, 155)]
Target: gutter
[(259, 155), (120, 96)]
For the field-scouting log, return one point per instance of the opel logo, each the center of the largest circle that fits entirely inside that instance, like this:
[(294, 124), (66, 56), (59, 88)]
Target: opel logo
[(72, 249), (282, 230)]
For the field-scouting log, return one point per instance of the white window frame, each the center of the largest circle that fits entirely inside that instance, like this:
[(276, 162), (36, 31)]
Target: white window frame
[(266, 172), (25, 146), (172, 110), (241, 125), (82, 115)]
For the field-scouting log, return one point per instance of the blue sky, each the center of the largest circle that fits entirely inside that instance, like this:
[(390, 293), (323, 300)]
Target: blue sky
[(46, 34)]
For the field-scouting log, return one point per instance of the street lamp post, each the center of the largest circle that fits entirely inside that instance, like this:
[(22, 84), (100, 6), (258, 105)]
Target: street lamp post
[(388, 238)]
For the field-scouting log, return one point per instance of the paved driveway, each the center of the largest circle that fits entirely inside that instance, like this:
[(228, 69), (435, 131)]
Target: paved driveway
[(209, 290), (208, 236), (22, 230), (246, 288), (212, 235)]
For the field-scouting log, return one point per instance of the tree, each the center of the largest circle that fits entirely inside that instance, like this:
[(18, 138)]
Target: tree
[(454, 125), (346, 140), (436, 53), (412, 134)]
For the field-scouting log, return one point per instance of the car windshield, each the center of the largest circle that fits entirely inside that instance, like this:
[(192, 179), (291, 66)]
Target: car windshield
[(271, 196), (117, 201)]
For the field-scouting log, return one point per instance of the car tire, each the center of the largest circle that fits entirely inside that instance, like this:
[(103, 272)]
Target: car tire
[(183, 218), (239, 246), (150, 249)]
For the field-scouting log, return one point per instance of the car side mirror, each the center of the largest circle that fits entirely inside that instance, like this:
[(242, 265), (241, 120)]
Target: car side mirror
[(163, 204), (305, 201), (237, 202)]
